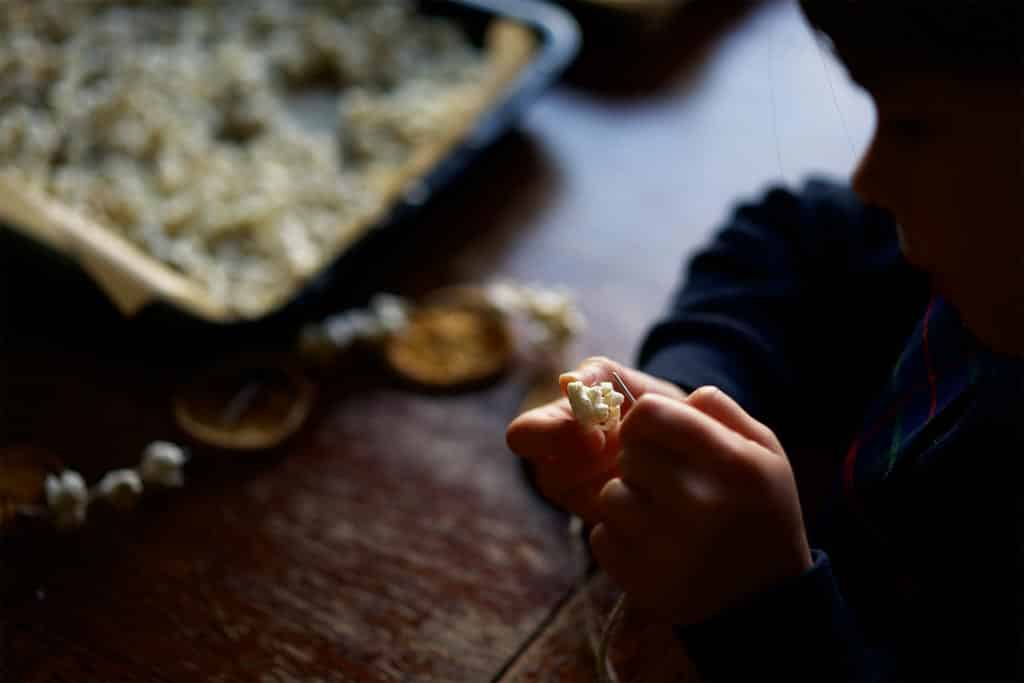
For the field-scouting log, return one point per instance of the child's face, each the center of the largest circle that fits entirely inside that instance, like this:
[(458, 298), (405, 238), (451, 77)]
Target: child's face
[(947, 160)]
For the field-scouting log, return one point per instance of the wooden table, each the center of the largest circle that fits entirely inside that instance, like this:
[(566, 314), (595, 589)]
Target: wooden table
[(395, 538)]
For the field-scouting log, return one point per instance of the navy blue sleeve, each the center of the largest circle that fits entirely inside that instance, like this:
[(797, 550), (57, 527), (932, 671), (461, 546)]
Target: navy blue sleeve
[(798, 309), (800, 629), (802, 299)]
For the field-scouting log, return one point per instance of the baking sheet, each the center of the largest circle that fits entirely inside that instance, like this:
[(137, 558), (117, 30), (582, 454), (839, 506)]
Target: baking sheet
[(527, 45)]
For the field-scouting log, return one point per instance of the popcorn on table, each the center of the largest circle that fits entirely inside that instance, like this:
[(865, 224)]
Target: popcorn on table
[(599, 405)]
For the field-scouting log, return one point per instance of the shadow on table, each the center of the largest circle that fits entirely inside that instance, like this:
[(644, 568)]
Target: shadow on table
[(629, 56)]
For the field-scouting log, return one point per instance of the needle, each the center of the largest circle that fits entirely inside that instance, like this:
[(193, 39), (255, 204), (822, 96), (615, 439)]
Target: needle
[(625, 390)]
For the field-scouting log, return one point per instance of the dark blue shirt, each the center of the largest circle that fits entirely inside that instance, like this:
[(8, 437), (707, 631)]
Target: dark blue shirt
[(804, 310)]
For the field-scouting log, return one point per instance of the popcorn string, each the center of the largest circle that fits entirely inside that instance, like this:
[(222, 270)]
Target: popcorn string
[(551, 313), (68, 499)]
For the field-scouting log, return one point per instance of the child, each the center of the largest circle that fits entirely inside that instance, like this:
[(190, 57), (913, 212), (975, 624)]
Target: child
[(884, 332)]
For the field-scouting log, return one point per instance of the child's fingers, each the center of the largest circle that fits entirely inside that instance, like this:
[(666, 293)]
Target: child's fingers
[(561, 476), (626, 511), (717, 404), (551, 431), (666, 483), (616, 554), (599, 369), (582, 499), (692, 437)]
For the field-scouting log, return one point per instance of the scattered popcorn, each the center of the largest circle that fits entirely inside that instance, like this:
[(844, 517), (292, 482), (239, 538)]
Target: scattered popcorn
[(162, 463), (120, 488), (599, 405), (67, 498)]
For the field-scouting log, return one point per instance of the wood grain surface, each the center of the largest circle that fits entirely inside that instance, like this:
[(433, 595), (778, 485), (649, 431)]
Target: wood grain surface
[(395, 538)]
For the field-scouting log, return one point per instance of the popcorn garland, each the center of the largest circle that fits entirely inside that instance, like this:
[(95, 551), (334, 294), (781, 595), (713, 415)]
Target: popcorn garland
[(552, 316), (68, 499), (120, 488), (553, 320), (386, 314)]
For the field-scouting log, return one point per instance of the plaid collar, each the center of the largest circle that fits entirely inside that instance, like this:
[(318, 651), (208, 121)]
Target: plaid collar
[(929, 388)]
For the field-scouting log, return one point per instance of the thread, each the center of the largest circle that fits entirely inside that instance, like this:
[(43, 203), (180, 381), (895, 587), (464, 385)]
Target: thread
[(600, 644)]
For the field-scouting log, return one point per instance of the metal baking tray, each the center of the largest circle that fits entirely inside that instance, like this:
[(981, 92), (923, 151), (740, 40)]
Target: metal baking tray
[(529, 44)]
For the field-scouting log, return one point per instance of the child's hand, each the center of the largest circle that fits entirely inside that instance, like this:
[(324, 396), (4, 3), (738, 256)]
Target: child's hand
[(706, 509), (572, 462)]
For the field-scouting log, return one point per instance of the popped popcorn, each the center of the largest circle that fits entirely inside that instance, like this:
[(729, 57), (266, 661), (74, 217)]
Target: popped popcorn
[(67, 498), (171, 123), (162, 463), (506, 297), (556, 317), (344, 329), (120, 488), (599, 405), (387, 314)]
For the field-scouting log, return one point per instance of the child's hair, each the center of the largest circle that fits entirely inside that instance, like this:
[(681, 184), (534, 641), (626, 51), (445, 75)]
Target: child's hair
[(966, 38)]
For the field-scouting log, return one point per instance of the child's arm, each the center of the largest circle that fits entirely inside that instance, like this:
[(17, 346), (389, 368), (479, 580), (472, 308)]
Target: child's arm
[(797, 309)]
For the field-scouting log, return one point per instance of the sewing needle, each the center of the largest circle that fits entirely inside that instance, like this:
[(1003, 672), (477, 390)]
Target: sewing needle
[(623, 388)]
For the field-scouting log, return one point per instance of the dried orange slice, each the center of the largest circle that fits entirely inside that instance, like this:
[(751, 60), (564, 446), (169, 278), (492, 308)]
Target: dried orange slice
[(247, 405), (455, 339)]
